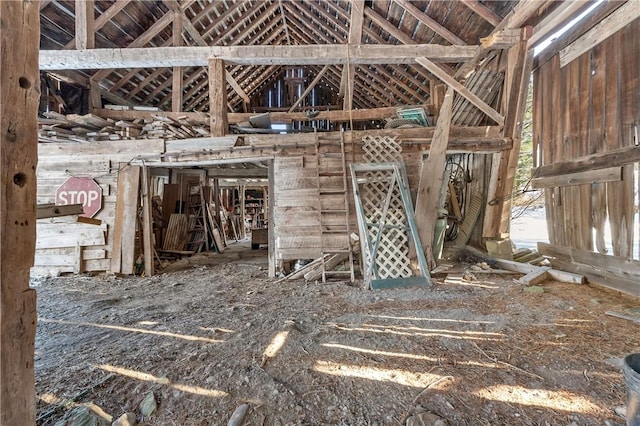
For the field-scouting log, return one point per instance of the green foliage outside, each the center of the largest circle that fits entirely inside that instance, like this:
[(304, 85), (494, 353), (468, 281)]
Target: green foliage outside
[(523, 196)]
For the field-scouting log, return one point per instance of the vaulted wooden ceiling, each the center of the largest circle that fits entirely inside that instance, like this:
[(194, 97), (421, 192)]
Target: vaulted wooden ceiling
[(127, 23)]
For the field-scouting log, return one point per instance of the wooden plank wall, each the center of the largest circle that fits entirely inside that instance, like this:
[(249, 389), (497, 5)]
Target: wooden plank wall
[(590, 106), (296, 214), (57, 238)]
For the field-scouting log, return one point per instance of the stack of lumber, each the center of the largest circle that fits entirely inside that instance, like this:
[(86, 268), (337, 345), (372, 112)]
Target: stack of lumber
[(55, 127)]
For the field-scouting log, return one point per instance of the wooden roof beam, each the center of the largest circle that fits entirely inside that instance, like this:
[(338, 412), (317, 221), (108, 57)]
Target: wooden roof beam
[(330, 19), (251, 26), (142, 40), (394, 31), (301, 24), (284, 22), (431, 23), (250, 55), (375, 74), (518, 16), (246, 11), (309, 88), (463, 91), (103, 19), (483, 11)]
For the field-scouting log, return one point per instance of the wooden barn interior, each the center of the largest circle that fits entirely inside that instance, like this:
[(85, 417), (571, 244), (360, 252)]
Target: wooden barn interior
[(337, 177)]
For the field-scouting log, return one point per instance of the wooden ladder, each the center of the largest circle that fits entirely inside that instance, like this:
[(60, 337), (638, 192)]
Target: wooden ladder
[(333, 198), (197, 214)]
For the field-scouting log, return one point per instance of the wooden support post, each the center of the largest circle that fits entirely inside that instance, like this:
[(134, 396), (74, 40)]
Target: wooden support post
[(498, 208), (271, 205), (218, 98), (431, 180), (95, 96), (20, 87), (176, 88), (241, 193), (355, 38), (85, 25), (124, 229), (147, 226), (218, 207)]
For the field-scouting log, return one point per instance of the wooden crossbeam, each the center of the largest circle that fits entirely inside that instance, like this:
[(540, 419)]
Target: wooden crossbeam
[(250, 55), (431, 23), (463, 91)]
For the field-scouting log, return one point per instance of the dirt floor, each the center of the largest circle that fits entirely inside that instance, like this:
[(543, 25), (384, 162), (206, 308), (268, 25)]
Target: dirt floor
[(203, 341)]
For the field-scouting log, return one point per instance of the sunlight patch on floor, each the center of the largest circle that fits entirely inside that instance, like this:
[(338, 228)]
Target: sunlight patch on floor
[(432, 319), (276, 344), (555, 400), (146, 377), (133, 330), (401, 377), (422, 332)]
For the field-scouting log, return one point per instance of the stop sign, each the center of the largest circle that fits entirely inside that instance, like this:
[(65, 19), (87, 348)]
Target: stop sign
[(81, 190)]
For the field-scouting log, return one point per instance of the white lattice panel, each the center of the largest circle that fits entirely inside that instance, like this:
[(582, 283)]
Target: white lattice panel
[(392, 258), (381, 149)]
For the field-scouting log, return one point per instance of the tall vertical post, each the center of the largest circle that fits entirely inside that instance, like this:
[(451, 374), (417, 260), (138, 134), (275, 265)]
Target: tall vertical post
[(20, 87), (176, 88), (218, 98), (85, 25)]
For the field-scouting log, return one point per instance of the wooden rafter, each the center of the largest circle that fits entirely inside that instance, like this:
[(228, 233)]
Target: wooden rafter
[(518, 16), (142, 40), (387, 26), (431, 23), (284, 22), (483, 11), (309, 88), (463, 91), (103, 19), (380, 75), (151, 77)]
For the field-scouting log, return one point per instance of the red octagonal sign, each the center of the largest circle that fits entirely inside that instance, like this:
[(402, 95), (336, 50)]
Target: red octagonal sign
[(80, 190)]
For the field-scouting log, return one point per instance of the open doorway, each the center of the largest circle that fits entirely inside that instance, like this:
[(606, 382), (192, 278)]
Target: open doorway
[(210, 208)]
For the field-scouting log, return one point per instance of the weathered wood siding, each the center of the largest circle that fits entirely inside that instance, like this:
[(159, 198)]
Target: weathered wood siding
[(297, 200), (57, 237), (590, 107)]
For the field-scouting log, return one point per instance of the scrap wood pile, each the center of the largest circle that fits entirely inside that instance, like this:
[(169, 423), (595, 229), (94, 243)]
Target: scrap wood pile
[(55, 127)]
